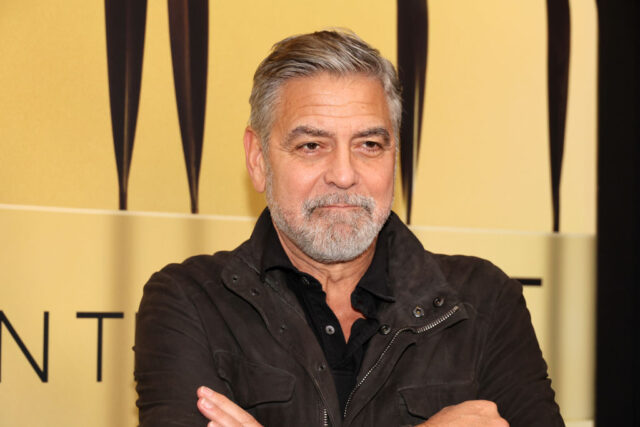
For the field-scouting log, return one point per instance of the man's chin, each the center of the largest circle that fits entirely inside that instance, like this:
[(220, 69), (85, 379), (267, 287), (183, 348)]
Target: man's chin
[(341, 248), (329, 235), (351, 215)]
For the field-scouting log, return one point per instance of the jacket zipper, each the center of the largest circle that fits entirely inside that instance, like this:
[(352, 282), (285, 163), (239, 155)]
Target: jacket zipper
[(420, 330), (325, 418)]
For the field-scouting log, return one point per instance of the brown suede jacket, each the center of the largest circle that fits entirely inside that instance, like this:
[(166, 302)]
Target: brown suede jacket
[(458, 330)]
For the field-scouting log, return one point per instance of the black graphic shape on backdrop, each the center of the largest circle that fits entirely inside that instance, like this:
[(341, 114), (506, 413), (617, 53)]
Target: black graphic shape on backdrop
[(43, 373), (100, 316), (412, 71), (529, 281), (189, 30), (558, 45), (125, 22)]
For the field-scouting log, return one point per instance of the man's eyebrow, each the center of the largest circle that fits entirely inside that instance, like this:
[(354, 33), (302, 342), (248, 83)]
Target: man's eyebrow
[(307, 131), (377, 131)]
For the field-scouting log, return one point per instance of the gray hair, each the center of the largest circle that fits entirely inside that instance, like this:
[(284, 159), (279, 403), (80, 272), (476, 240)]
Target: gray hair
[(338, 52)]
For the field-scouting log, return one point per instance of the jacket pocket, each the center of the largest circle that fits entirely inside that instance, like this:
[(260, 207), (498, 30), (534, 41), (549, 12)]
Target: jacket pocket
[(418, 403), (253, 383)]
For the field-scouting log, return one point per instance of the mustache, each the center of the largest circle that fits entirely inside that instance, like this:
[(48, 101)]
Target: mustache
[(357, 200)]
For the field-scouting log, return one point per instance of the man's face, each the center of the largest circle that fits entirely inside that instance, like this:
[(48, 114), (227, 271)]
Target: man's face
[(330, 166)]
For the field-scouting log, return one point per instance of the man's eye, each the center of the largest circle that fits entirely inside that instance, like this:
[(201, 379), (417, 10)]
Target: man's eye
[(310, 146), (371, 145)]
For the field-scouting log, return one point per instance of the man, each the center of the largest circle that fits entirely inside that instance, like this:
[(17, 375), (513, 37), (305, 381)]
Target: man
[(332, 313)]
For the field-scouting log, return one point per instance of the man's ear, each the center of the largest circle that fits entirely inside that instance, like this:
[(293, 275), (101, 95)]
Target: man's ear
[(254, 157)]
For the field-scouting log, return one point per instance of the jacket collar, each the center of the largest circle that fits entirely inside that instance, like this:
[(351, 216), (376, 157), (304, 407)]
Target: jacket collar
[(420, 287)]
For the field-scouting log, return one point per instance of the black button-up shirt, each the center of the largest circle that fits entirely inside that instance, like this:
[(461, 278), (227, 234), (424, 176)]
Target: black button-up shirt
[(344, 358)]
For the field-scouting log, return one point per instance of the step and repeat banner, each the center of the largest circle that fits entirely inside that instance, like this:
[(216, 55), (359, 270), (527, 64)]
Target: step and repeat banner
[(112, 166)]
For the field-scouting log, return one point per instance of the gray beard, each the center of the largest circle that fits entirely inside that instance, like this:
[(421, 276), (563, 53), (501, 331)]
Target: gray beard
[(330, 237)]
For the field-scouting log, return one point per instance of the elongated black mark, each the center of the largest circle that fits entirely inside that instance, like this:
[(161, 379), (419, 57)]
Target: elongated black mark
[(559, 40), (189, 31), (125, 23), (412, 71), (529, 281)]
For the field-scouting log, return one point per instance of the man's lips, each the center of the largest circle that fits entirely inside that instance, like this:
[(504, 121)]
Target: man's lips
[(339, 203), (340, 206)]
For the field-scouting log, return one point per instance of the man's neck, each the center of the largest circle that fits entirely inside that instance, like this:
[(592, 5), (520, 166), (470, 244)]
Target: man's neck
[(338, 279), (335, 278)]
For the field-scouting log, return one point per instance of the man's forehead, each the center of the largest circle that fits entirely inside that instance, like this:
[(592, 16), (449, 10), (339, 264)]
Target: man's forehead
[(324, 96)]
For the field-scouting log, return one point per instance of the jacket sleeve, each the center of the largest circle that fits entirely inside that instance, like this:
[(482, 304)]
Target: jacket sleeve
[(513, 372), (172, 354)]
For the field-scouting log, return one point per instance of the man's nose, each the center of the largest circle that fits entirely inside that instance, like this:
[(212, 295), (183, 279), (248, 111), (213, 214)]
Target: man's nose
[(341, 171)]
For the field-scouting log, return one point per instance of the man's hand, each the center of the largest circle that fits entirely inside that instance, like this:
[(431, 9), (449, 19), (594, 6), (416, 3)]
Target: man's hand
[(221, 411), (472, 413)]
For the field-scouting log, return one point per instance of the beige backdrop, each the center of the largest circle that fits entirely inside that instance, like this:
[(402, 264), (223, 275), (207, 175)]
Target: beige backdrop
[(482, 185)]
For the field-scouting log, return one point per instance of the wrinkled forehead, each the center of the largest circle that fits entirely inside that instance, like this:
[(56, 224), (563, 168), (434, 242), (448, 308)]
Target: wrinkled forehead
[(355, 99)]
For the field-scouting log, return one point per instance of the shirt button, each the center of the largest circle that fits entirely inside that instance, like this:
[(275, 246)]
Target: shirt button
[(330, 330)]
